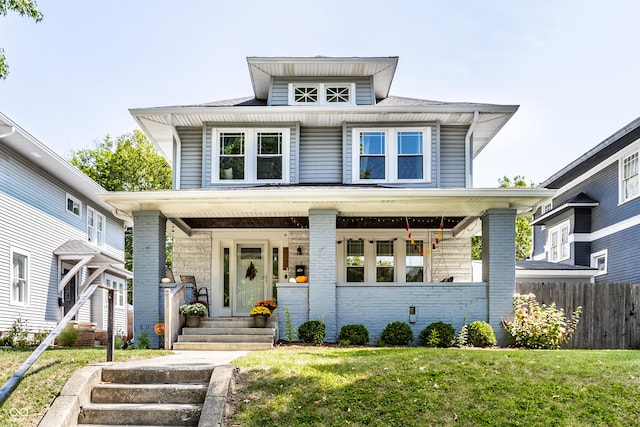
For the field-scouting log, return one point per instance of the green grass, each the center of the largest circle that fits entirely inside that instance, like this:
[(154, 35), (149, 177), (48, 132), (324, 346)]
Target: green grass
[(424, 387), (42, 383)]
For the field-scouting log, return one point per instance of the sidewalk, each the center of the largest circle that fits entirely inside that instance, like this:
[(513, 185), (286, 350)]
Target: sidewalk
[(188, 357)]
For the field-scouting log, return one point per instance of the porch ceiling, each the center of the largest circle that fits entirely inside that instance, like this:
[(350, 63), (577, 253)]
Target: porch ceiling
[(341, 222), (348, 201)]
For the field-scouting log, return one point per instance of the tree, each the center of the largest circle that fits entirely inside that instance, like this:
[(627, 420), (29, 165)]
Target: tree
[(523, 224), (128, 163), (22, 7)]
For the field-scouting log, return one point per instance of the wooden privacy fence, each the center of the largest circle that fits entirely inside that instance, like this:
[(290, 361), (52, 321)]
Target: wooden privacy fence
[(609, 311)]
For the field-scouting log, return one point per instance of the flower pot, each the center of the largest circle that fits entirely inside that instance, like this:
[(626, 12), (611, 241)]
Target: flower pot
[(260, 321), (192, 321)]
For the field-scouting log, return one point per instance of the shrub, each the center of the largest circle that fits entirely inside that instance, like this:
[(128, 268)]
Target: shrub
[(536, 326), (142, 341), (480, 334), (463, 336), (68, 336), (289, 330), (438, 334), (397, 333), (197, 309), (312, 332), (354, 334)]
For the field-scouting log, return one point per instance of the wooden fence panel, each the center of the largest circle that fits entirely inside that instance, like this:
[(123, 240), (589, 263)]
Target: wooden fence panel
[(609, 311)]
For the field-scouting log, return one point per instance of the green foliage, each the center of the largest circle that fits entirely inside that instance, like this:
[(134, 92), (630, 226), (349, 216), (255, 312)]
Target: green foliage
[(197, 309), (438, 334), (68, 336), (27, 8), (462, 340), (18, 333), (312, 331), (289, 330), (142, 341), (397, 333), (536, 326), (354, 334), (480, 334)]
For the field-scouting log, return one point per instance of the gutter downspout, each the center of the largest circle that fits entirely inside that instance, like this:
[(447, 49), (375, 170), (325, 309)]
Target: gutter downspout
[(10, 131), (467, 151)]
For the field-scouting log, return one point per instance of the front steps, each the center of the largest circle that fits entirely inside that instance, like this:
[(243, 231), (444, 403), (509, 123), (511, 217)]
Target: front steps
[(148, 396), (227, 333)]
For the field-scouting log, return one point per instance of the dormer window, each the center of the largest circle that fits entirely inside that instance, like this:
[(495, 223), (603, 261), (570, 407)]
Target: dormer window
[(322, 94)]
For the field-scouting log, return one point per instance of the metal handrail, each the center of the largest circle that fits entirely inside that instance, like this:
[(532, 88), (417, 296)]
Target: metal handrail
[(15, 379)]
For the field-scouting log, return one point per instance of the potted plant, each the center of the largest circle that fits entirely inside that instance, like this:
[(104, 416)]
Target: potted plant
[(269, 303), (260, 315), (192, 313)]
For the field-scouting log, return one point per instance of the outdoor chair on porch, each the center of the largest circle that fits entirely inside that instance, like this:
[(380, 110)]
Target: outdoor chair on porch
[(198, 292)]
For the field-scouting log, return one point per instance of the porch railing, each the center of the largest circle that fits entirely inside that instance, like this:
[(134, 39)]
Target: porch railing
[(173, 299)]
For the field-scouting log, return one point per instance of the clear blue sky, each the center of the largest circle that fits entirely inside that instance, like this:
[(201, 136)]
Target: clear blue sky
[(572, 66)]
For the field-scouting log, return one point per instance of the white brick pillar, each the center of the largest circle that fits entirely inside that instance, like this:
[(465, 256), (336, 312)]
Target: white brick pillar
[(499, 266), (322, 269)]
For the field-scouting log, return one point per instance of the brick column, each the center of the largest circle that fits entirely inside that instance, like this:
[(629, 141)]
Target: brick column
[(322, 269), (149, 255), (499, 266)]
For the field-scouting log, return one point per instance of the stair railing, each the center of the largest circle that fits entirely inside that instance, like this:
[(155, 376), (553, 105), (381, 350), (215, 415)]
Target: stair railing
[(173, 299)]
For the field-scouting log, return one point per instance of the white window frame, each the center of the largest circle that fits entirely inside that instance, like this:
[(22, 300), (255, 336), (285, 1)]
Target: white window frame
[(94, 234), (546, 207), (322, 93), (250, 155), (622, 198), (25, 297), (561, 254), (75, 201), (594, 261), (118, 285), (391, 154)]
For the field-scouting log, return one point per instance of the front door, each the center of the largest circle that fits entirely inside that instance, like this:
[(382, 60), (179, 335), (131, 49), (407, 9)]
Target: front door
[(250, 277), (69, 293)]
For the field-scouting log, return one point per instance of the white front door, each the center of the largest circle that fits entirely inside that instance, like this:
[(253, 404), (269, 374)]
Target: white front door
[(249, 284)]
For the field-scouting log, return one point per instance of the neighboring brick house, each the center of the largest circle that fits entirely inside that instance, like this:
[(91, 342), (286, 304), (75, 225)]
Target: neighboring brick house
[(56, 237), (594, 218), (322, 173)]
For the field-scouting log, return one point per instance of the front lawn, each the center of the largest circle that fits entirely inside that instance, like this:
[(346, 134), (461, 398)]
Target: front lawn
[(42, 383), (423, 387)]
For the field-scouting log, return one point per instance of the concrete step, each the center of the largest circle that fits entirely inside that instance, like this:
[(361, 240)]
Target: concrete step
[(148, 393), (226, 338), (222, 346), (228, 331), (149, 414), (157, 375), (232, 323)]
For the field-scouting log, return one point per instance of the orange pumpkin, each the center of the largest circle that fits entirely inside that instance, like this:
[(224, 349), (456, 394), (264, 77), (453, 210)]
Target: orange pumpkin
[(302, 279)]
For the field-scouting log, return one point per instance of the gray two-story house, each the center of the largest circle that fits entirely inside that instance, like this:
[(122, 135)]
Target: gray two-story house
[(56, 237), (321, 173), (594, 219)]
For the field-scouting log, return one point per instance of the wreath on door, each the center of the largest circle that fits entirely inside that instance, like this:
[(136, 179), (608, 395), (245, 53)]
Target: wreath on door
[(251, 272)]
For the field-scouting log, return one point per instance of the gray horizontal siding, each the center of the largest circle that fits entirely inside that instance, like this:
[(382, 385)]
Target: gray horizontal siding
[(280, 88), (190, 157), (623, 256), (452, 156), (320, 155)]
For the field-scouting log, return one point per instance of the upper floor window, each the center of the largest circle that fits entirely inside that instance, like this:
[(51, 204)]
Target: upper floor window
[(322, 94), (394, 154), (96, 223), (546, 207), (250, 155), (19, 277), (558, 243), (599, 261), (73, 205), (629, 180)]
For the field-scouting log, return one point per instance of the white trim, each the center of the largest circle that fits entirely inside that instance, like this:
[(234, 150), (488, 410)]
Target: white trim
[(623, 156), (92, 234), (322, 93), (546, 207), (26, 302), (607, 231), (559, 244), (594, 258), (75, 200)]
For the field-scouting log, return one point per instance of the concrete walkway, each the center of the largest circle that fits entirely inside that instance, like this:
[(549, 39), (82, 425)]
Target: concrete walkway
[(188, 357)]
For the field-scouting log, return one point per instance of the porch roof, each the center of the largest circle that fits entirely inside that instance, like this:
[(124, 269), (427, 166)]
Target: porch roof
[(347, 200)]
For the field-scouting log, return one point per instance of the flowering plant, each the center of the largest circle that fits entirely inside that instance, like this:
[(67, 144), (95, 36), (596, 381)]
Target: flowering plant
[(259, 311), (197, 309), (269, 303)]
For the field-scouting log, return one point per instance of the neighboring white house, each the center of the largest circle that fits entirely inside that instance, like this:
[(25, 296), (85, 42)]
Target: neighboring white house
[(56, 237), (322, 173)]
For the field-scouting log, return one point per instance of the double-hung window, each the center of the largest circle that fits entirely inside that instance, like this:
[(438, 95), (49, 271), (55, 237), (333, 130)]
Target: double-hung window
[(355, 260), (629, 178), (414, 261), (384, 261), (322, 94), (73, 205), (96, 223), (19, 277), (250, 155), (559, 242), (392, 155)]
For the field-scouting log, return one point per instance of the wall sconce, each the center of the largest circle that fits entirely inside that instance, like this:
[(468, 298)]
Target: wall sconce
[(299, 250)]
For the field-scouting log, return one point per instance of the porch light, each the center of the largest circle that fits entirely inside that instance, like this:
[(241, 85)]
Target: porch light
[(299, 250)]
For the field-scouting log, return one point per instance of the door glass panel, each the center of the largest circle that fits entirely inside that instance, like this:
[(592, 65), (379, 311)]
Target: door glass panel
[(250, 278)]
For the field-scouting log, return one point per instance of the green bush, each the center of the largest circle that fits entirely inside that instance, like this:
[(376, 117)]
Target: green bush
[(397, 333), (480, 334), (312, 332), (68, 336), (142, 341), (536, 326), (354, 334), (438, 334)]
